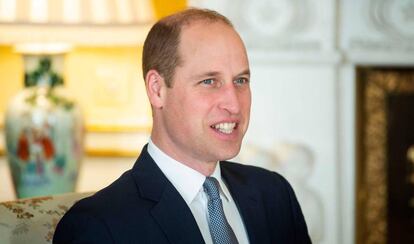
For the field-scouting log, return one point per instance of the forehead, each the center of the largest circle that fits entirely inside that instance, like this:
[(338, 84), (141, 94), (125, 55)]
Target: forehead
[(207, 32), (211, 41)]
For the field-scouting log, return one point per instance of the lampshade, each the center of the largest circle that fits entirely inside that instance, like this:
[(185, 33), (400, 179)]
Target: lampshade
[(77, 22)]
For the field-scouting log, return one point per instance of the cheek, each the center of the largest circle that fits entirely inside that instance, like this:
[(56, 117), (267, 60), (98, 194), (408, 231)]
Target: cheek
[(187, 108), (200, 101), (246, 100)]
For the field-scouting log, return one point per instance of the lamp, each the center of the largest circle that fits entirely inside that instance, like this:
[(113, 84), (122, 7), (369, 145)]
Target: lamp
[(44, 128)]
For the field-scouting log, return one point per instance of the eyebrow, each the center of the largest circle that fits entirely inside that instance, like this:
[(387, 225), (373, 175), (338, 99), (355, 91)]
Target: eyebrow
[(216, 73), (244, 72)]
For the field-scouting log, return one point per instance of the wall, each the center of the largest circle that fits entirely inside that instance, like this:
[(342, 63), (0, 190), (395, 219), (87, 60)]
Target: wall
[(293, 59), (108, 84), (303, 55), (11, 79)]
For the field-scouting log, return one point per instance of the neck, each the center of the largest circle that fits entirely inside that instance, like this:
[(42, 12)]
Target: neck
[(203, 167)]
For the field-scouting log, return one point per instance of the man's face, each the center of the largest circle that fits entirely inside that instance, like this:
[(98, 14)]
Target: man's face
[(206, 111)]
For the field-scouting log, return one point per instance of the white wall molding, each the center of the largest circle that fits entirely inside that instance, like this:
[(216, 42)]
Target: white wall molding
[(379, 58), (377, 26), (285, 57), (303, 56)]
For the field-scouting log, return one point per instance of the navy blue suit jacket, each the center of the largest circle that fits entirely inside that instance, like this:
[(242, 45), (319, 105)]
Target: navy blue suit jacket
[(142, 206)]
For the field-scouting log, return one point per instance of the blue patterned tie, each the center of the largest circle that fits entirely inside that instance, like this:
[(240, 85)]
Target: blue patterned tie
[(220, 229)]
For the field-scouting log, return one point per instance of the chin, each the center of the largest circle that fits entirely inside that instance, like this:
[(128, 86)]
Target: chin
[(229, 154)]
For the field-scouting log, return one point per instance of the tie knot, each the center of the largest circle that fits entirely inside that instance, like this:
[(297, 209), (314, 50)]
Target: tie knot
[(211, 187)]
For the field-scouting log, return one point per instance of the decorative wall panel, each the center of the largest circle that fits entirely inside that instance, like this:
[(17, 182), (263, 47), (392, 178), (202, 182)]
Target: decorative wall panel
[(378, 25), (282, 25)]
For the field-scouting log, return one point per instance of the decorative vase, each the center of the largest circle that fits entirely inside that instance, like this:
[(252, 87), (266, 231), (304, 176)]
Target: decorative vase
[(44, 132)]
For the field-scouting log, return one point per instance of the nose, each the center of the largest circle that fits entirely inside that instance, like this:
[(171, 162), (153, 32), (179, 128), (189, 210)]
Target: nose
[(230, 100)]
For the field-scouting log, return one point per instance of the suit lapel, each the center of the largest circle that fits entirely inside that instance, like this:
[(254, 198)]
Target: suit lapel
[(249, 203), (170, 210), (176, 219)]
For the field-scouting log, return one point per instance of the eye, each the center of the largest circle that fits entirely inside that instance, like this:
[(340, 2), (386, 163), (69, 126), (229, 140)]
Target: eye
[(241, 81), (212, 82), (207, 82)]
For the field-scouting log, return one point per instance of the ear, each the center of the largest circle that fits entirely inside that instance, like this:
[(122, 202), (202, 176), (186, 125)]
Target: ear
[(155, 86)]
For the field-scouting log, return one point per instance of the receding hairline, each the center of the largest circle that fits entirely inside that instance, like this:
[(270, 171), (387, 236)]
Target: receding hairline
[(190, 24), (174, 24), (191, 15)]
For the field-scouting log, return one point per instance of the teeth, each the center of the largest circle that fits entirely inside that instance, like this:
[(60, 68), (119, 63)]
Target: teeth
[(226, 128)]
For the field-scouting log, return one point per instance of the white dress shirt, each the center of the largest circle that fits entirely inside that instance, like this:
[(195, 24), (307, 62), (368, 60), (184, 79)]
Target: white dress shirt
[(189, 183)]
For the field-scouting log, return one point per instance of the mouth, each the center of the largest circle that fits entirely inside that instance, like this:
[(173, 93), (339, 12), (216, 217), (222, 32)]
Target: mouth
[(225, 128)]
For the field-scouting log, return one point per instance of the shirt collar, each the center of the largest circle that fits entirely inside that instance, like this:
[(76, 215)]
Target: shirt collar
[(223, 188), (180, 175)]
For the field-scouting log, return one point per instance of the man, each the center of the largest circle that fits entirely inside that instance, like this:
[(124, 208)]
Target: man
[(180, 190)]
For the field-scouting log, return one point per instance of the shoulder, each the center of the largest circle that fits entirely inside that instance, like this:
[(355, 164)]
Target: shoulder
[(90, 219), (109, 198), (253, 174), (276, 195), (271, 185), (244, 168)]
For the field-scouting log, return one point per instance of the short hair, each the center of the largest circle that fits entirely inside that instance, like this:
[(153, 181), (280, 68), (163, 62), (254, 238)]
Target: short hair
[(162, 42)]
